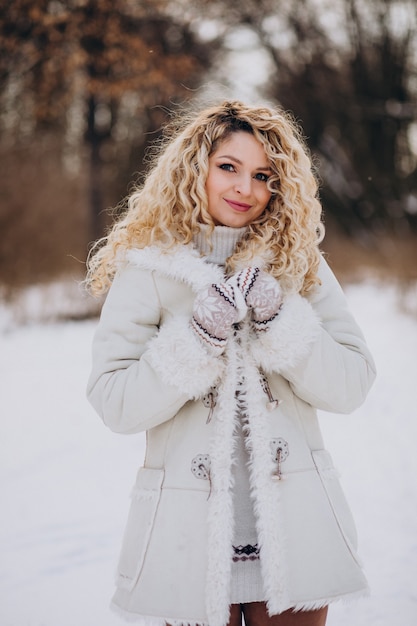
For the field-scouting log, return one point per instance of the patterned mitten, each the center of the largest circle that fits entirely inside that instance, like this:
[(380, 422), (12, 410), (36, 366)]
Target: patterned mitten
[(262, 294), (214, 313)]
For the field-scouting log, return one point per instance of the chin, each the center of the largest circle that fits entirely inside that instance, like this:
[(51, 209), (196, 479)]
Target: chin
[(235, 223)]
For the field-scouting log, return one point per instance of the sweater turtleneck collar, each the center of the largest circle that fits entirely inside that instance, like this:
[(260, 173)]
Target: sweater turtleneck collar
[(220, 244)]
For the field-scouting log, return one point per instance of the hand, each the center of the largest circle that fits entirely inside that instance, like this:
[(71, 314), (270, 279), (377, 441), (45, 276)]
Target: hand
[(261, 292), (214, 314)]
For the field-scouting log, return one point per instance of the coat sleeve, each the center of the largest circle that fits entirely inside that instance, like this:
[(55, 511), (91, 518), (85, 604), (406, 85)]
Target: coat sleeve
[(145, 365), (318, 347)]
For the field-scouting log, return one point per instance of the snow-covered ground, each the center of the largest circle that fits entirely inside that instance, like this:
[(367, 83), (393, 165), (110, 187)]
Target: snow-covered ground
[(65, 479)]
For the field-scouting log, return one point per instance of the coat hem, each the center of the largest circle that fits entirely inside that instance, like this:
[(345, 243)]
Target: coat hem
[(307, 605), (312, 605), (151, 620)]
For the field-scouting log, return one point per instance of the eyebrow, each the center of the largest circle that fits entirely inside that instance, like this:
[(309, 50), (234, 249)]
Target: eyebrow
[(233, 158)]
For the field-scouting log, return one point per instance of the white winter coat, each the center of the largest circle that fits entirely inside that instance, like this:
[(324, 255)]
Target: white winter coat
[(151, 373)]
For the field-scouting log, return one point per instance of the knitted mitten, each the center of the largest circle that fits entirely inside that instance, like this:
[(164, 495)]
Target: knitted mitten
[(214, 313), (262, 294)]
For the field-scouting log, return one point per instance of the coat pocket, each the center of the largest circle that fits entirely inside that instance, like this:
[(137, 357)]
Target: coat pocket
[(144, 503), (336, 497)]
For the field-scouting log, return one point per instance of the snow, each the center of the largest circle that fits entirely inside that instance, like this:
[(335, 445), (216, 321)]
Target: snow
[(65, 479)]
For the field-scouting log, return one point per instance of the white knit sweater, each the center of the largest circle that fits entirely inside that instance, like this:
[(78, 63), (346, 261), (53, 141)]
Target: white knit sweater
[(246, 581)]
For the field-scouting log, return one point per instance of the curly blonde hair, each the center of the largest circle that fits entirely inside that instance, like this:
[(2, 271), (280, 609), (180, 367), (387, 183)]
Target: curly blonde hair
[(168, 208)]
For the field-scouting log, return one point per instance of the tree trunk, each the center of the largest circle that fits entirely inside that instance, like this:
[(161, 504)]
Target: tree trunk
[(94, 139)]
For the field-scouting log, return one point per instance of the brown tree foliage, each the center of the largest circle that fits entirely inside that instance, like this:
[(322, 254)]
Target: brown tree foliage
[(102, 48), (87, 81)]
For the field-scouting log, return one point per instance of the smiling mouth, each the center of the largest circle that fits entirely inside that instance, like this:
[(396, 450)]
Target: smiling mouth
[(238, 206)]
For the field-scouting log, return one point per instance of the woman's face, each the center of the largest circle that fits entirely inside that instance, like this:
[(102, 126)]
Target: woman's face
[(237, 181)]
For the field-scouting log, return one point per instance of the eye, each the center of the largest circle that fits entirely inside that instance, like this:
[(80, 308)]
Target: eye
[(262, 177), (227, 167)]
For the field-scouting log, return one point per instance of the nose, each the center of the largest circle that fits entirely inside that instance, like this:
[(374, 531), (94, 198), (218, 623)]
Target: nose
[(244, 185)]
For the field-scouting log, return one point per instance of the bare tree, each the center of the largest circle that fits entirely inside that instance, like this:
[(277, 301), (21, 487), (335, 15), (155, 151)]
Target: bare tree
[(347, 70)]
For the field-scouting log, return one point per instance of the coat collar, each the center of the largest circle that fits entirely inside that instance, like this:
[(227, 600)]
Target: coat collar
[(181, 262)]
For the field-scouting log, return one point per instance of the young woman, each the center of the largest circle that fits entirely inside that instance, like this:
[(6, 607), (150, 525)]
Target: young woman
[(222, 333)]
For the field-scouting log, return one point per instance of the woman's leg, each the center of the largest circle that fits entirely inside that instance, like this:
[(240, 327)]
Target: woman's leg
[(256, 614), (235, 615)]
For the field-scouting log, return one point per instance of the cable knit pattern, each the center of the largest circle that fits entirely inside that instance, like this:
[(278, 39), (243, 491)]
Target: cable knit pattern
[(246, 580), (218, 245)]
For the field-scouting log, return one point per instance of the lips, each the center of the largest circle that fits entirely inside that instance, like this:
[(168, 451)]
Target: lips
[(238, 206)]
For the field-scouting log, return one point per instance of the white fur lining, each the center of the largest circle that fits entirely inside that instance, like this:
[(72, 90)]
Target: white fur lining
[(182, 361), (220, 504), (289, 337), (181, 263), (312, 605), (266, 494)]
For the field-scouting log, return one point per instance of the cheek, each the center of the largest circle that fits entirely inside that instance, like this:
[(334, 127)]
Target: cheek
[(211, 186)]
